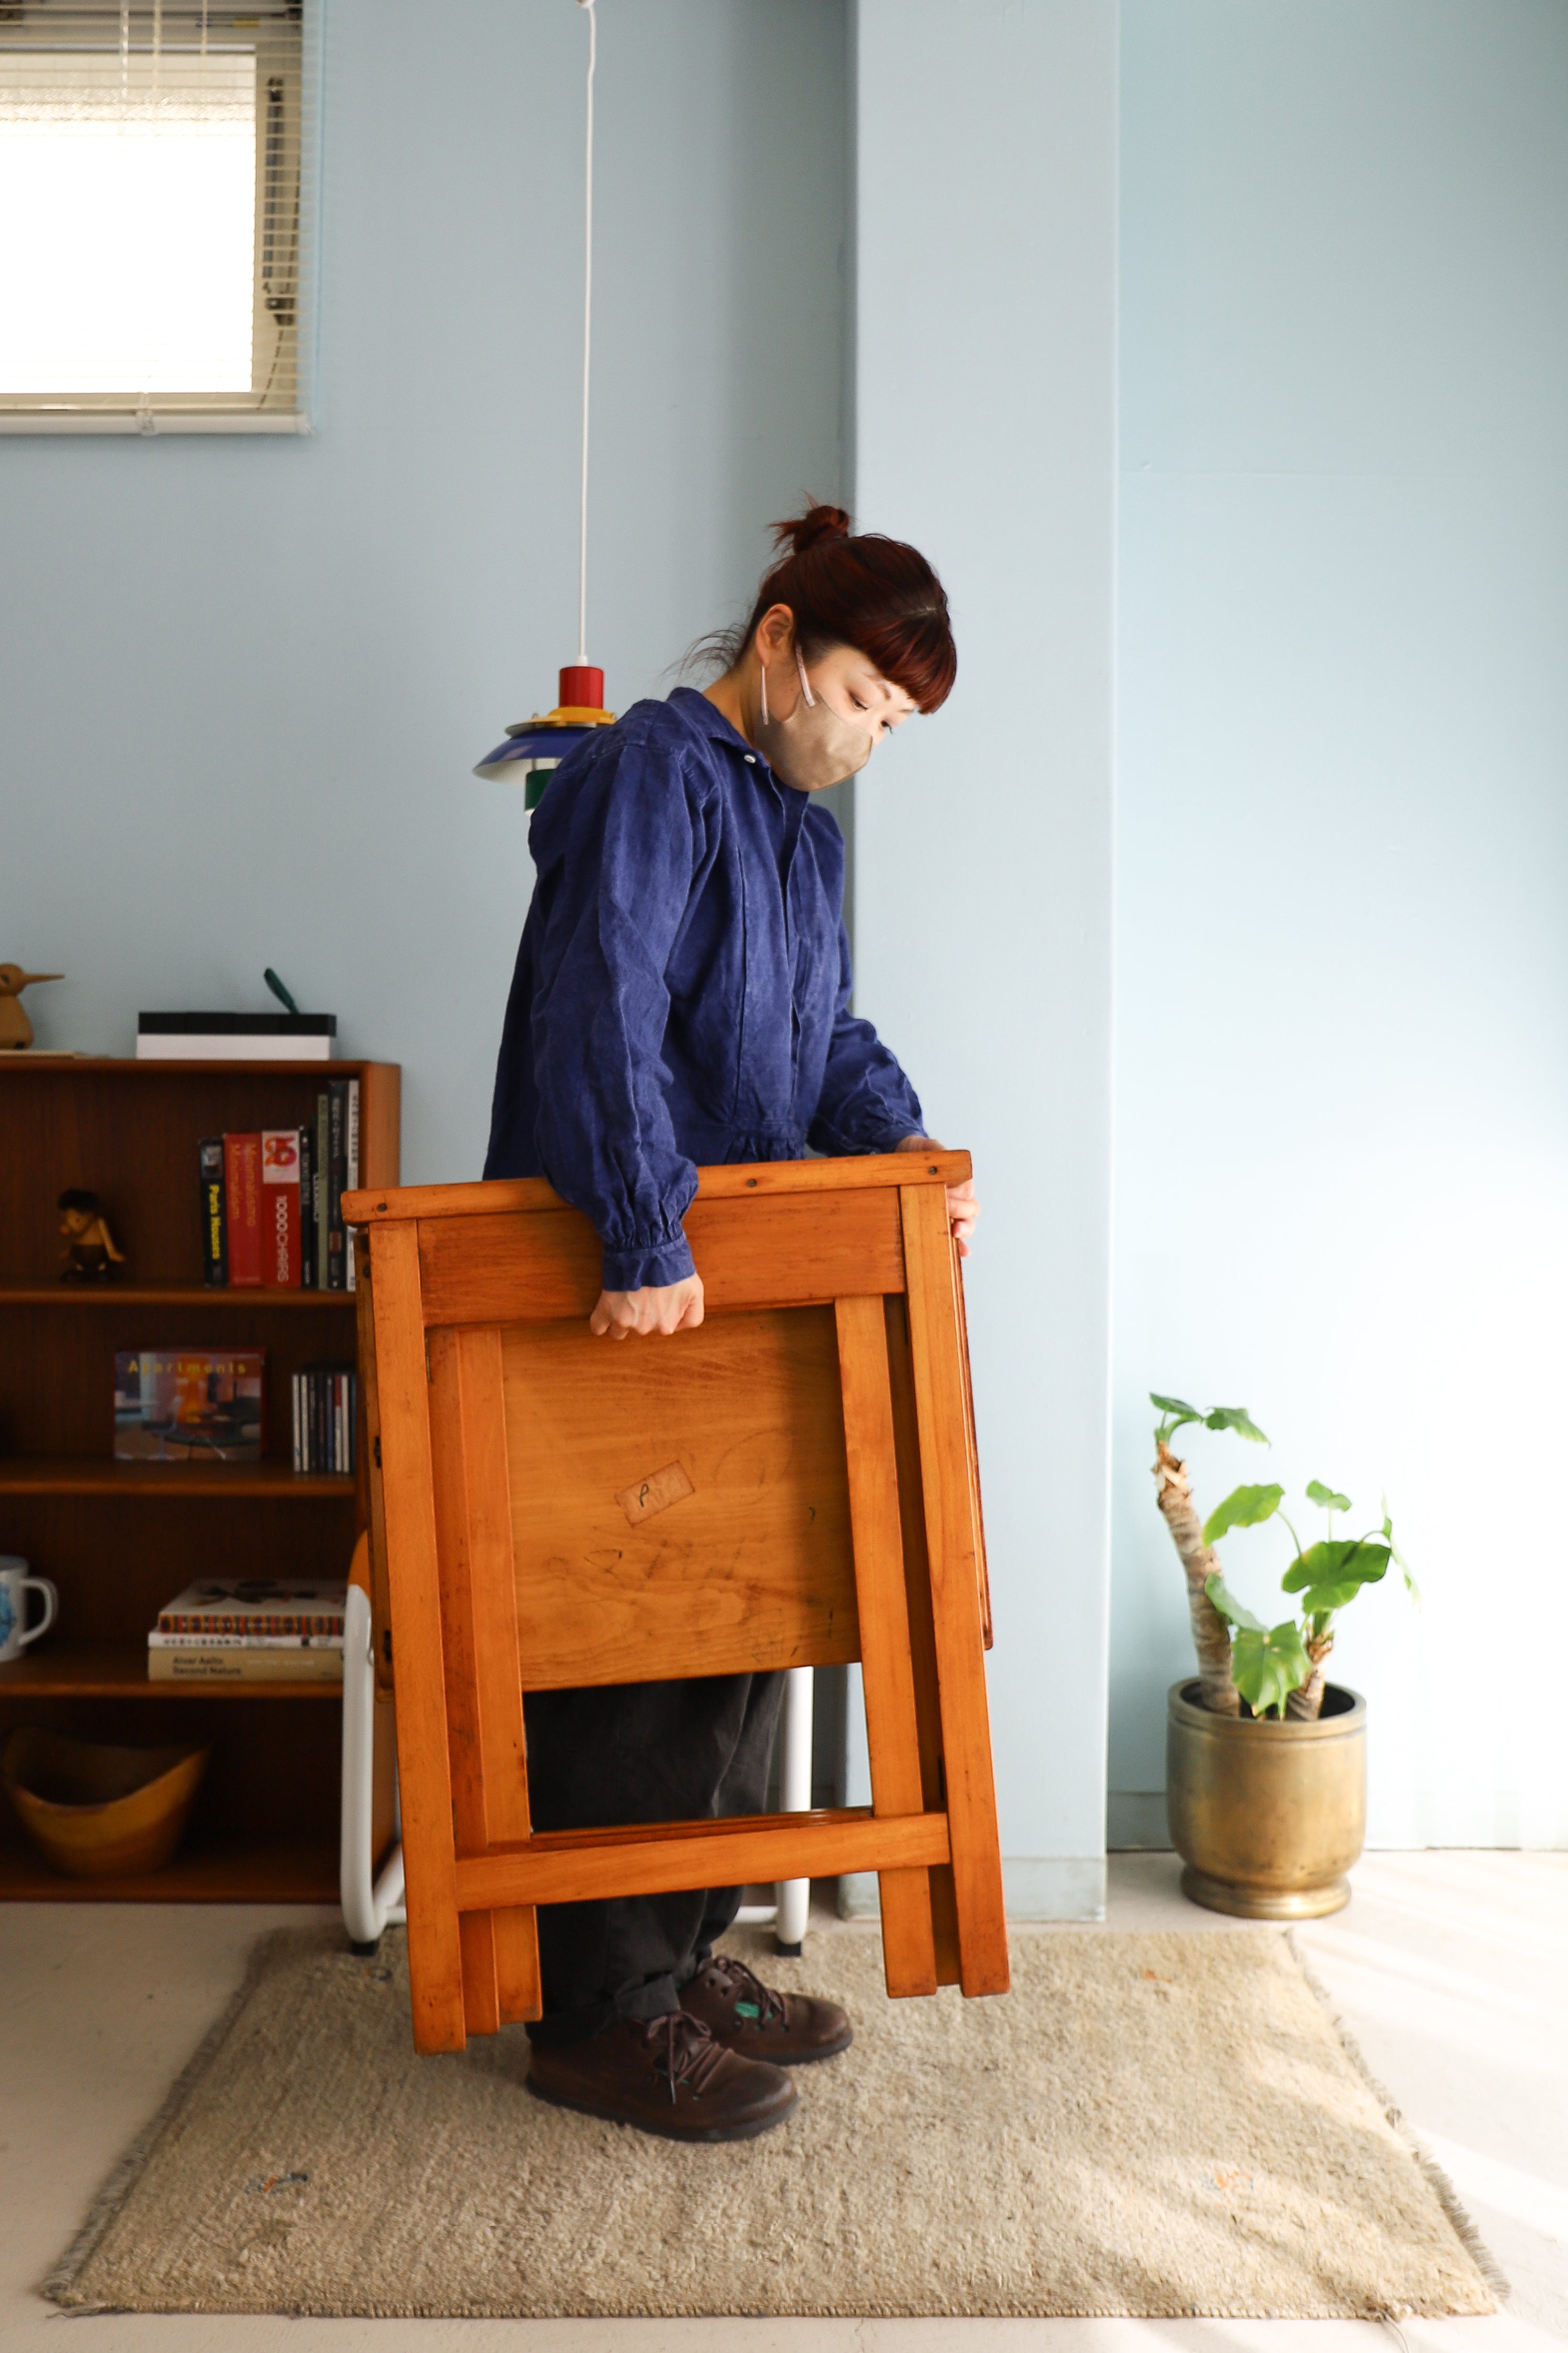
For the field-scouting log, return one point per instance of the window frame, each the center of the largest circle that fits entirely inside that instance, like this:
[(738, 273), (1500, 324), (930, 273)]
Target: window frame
[(282, 269)]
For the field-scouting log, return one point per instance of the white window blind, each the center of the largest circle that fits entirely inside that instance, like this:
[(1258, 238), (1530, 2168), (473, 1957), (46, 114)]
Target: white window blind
[(154, 189)]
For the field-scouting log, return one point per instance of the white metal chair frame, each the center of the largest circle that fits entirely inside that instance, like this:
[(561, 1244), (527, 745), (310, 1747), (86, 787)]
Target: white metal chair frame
[(372, 1904)]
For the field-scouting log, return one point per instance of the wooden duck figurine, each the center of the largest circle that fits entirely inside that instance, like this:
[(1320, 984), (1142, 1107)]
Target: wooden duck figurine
[(15, 1029)]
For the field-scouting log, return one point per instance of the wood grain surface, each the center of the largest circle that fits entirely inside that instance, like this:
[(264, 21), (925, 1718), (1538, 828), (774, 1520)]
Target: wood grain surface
[(887, 1672), (753, 1570), (953, 1542), (373, 1204), (501, 1267), (577, 1866), (408, 1503)]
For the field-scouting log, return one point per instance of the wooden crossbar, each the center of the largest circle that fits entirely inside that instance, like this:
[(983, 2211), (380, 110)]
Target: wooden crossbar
[(793, 1484), (649, 1859)]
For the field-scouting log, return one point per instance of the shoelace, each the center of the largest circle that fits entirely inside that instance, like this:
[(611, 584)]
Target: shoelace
[(691, 2054), (753, 1998)]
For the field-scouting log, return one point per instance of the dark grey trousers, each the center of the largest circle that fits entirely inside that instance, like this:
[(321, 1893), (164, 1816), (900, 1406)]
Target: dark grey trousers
[(640, 1753)]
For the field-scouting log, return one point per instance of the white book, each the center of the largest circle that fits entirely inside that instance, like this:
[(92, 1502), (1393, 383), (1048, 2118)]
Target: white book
[(156, 1641)]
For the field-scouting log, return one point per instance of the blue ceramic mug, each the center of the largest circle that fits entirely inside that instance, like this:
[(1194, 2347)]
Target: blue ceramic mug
[(15, 1584)]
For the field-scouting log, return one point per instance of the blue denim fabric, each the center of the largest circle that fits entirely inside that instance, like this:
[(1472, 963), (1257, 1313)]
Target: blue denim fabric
[(682, 989)]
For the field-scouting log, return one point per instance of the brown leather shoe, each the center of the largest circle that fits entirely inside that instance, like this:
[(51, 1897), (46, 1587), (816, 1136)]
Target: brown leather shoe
[(665, 2075), (757, 2020)]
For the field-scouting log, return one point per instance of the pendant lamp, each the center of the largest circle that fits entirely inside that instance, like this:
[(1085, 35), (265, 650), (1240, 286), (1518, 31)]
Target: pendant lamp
[(533, 748)]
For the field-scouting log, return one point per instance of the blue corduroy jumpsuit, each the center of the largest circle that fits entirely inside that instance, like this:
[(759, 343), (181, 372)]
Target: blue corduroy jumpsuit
[(681, 996)]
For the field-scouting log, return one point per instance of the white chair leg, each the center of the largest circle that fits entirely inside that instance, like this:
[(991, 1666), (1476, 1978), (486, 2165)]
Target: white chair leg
[(794, 1774), (368, 1907), (786, 1916)]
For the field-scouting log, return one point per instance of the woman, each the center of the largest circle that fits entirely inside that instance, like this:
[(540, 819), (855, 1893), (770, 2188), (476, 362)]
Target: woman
[(682, 996)]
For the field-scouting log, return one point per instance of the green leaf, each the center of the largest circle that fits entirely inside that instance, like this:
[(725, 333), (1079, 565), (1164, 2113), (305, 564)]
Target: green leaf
[(1342, 1567), (1229, 1608), (1244, 1507), (1236, 1417), (1268, 1665), (1174, 1405), (1318, 1494), (1403, 1566)]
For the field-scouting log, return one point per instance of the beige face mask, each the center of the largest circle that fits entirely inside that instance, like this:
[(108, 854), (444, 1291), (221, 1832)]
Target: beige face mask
[(814, 747)]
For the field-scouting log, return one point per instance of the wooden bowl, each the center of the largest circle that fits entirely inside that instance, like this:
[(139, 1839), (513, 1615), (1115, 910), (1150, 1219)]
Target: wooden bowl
[(101, 1813)]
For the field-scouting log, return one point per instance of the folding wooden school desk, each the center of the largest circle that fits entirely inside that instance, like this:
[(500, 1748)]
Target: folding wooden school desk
[(793, 1483)]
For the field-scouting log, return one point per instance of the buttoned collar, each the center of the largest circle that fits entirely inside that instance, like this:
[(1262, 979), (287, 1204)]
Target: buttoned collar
[(708, 720)]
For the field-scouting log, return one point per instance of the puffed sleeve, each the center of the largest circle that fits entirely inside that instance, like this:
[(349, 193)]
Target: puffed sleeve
[(866, 1105), (634, 844)]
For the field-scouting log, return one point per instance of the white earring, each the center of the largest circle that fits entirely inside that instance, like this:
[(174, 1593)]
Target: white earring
[(764, 694)]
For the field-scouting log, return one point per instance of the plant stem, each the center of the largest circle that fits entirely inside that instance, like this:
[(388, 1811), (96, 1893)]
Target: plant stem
[(1306, 1705), (1211, 1636)]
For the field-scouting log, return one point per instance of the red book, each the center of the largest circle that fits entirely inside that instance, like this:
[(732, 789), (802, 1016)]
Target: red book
[(242, 1190), (281, 1207)]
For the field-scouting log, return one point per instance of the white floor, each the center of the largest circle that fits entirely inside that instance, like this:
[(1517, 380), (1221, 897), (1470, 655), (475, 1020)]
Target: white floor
[(1451, 1971)]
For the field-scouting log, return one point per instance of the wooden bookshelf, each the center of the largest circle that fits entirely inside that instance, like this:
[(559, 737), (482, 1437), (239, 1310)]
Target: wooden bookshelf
[(120, 1538)]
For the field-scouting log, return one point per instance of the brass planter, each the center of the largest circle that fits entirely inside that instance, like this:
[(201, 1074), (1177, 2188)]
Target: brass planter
[(1268, 1818)]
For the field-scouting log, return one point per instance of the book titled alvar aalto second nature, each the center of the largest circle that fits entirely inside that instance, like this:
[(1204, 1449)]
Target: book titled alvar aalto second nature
[(250, 1629)]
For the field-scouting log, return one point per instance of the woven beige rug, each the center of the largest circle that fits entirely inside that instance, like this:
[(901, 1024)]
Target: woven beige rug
[(1149, 2126)]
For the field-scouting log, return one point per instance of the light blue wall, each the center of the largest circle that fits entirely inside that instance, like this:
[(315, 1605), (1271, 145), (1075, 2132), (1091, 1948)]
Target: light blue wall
[(984, 418), (1342, 1132), (242, 683)]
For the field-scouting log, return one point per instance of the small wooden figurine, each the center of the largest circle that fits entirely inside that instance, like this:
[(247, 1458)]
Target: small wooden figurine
[(15, 1029), (91, 1254)]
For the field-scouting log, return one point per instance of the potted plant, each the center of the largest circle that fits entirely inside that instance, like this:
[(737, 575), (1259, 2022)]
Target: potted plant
[(1266, 1760)]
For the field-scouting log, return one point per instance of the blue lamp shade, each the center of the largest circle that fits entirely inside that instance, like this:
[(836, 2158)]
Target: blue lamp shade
[(535, 748)]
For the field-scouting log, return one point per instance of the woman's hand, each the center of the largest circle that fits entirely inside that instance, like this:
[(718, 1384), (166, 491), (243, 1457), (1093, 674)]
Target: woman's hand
[(668, 1307), (962, 1208)]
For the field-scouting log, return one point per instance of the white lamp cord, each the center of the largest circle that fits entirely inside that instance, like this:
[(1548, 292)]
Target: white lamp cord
[(587, 6)]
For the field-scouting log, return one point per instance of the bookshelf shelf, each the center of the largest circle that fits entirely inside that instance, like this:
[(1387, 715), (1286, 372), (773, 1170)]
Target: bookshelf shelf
[(212, 1869), (120, 1538), (99, 1474), (61, 1671), (168, 1294)]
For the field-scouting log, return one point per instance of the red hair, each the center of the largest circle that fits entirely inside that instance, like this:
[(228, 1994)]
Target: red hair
[(858, 589)]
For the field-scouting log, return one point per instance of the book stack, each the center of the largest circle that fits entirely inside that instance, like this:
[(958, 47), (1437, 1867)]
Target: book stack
[(249, 1630), (324, 1405), (272, 1212)]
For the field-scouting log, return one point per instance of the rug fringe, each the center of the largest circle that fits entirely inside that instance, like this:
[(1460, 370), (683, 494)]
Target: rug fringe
[(111, 2196), (1448, 2196)]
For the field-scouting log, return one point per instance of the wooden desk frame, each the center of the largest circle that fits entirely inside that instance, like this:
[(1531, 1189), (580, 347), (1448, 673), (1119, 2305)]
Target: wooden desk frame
[(457, 1285)]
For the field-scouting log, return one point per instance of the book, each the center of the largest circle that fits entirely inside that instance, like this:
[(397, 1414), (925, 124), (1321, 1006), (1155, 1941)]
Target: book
[(281, 1262), (242, 1204), (215, 1224), (325, 1400), (257, 1605), (337, 1171), (156, 1641), (307, 1207), (319, 1177), (351, 1176), (245, 1665), (235, 1036), (190, 1405)]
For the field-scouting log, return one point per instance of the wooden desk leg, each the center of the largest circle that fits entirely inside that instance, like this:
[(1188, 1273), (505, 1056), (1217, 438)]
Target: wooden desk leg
[(952, 1541), (923, 1632), (464, 1742), (435, 1953), (497, 1666), (484, 1679), (909, 1951)]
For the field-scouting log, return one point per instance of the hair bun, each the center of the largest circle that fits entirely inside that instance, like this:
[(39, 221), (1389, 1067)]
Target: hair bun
[(818, 523)]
